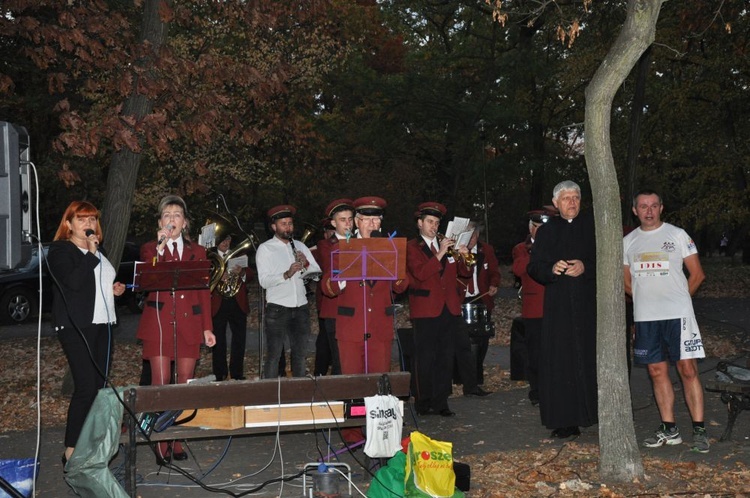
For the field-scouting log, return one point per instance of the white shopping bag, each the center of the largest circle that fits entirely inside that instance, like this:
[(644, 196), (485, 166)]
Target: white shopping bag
[(385, 419)]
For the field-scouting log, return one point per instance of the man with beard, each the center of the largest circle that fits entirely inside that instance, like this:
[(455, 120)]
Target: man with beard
[(281, 263), (435, 299), (563, 259)]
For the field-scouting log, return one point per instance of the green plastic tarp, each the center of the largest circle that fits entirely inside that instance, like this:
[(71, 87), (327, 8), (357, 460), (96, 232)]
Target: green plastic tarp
[(87, 471)]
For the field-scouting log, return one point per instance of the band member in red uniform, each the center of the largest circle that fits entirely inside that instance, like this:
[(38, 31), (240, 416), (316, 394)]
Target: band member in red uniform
[(435, 299), (532, 299), (192, 309), (481, 288), (230, 310), (364, 320), (341, 222)]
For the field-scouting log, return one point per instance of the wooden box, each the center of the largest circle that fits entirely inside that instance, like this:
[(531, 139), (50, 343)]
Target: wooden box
[(227, 417), (294, 414)]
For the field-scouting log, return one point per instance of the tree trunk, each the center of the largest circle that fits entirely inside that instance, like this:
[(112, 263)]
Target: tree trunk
[(123, 169), (619, 458), (634, 134)]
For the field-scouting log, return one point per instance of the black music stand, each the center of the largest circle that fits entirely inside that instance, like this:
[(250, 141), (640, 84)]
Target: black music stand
[(369, 259), (172, 276)]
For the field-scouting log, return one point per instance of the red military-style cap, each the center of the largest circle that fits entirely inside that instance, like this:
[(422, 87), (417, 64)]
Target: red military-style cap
[(281, 211), (339, 205), (543, 215), (432, 208), (370, 206)]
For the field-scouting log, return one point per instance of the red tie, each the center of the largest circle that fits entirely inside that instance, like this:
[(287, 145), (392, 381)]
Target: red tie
[(175, 252), (432, 248)]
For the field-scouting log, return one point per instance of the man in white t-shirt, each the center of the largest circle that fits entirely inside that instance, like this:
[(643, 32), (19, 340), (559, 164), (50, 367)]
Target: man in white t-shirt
[(666, 330)]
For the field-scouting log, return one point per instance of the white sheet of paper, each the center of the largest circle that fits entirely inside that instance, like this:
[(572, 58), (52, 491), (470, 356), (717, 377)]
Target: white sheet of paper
[(464, 238), (238, 262), (207, 236), (456, 227)]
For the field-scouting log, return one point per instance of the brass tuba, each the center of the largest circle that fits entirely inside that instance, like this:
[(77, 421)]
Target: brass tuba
[(230, 286)]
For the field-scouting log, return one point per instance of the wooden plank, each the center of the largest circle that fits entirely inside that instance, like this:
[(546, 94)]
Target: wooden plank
[(266, 391), (189, 433)]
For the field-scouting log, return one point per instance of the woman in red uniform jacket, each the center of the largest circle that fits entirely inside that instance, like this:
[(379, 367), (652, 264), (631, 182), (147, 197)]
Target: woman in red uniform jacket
[(192, 309)]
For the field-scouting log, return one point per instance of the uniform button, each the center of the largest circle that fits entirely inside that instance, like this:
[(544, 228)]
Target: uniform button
[(184, 315), (182, 296), (369, 309)]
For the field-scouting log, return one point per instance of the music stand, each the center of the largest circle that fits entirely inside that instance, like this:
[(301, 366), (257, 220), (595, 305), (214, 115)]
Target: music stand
[(172, 276), (369, 259)]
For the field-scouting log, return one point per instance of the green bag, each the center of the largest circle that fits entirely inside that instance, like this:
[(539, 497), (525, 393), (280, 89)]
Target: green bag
[(389, 480)]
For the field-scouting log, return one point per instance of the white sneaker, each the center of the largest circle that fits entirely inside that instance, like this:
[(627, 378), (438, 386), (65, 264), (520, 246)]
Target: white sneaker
[(663, 436)]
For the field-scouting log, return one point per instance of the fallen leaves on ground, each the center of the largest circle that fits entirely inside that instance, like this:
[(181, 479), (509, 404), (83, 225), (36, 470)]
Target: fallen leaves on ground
[(569, 471), (572, 470)]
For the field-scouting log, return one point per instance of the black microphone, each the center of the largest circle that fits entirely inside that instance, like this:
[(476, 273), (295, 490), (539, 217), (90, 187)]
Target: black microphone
[(376, 234), (164, 237), (89, 232)]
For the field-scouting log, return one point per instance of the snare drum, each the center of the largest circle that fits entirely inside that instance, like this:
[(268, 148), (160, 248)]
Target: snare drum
[(474, 313)]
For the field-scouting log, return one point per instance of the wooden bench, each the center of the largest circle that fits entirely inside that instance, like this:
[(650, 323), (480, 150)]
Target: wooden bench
[(736, 395), (146, 399)]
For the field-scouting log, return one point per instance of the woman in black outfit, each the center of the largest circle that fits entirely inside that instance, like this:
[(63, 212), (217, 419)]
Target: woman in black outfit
[(82, 308)]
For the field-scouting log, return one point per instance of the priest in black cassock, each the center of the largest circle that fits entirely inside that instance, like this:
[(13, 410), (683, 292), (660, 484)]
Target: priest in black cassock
[(563, 259)]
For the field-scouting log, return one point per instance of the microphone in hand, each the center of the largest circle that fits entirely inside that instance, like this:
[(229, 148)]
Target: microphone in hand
[(89, 232), (164, 237)]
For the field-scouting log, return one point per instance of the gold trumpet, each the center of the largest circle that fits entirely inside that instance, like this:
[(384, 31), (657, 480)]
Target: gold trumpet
[(469, 259)]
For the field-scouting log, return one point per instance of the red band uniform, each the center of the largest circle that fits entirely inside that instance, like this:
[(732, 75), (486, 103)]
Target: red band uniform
[(435, 298)]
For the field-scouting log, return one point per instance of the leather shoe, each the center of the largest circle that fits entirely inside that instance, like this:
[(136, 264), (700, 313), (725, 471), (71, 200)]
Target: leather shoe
[(566, 432), (478, 392), (182, 455), (446, 412)]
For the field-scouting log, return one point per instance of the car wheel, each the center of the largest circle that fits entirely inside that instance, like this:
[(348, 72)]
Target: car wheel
[(17, 305)]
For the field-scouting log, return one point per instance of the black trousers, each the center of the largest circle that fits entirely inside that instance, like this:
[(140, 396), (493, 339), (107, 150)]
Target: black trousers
[(87, 372), (326, 348), (433, 359), (479, 348), (229, 313), (533, 332), (465, 359)]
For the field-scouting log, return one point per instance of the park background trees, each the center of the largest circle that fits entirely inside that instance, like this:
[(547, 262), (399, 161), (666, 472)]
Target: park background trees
[(407, 99), (480, 105)]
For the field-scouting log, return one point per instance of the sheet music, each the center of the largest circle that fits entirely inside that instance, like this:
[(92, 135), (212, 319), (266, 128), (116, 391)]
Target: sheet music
[(238, 262), (207, 237), (457, 227), (463, 238)]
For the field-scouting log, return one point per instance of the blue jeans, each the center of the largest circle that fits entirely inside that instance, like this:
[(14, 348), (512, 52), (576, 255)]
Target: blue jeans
[(279, 322)]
